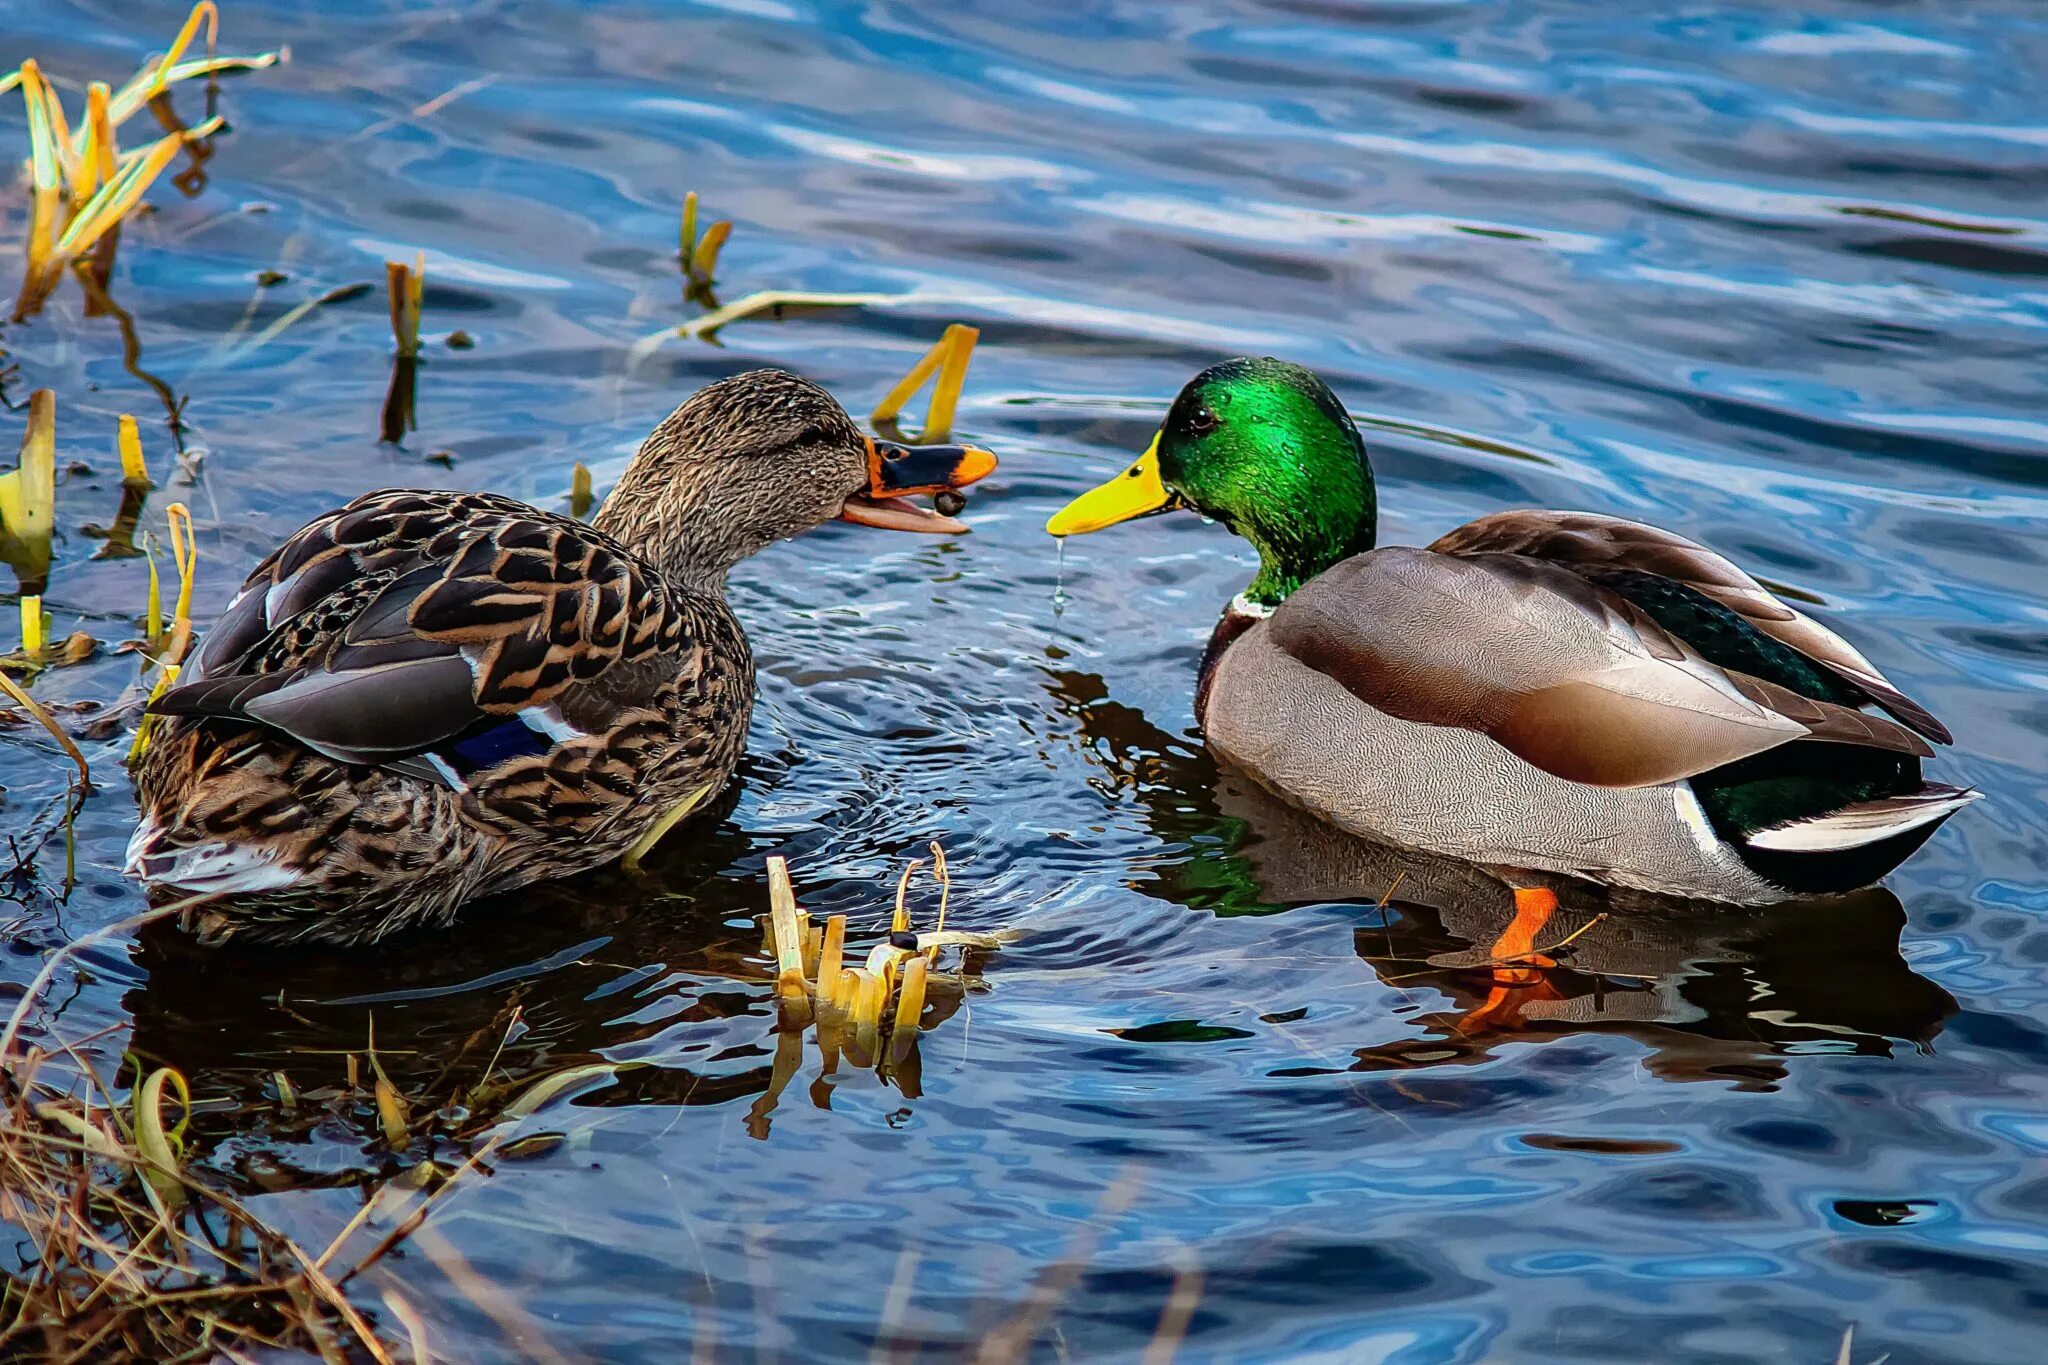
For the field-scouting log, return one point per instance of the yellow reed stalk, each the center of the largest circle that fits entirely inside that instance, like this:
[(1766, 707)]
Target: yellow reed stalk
[(791, 990), (134, 472), (948, 359), (138, 745), (704, 260), (153, 604), (113, 200), (945, 882), (45, 183), (49, 132), (406, 285), (185, 550), (901, 920), (699, 255), (868, 1002), (832, 954), (34, 626), (97, 161), (782, 918), (28, 493), (773, 302), (580, 493), (910, 1000), (161, 69)]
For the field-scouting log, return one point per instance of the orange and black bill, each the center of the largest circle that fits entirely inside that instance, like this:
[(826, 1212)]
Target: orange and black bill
[(897, 473)]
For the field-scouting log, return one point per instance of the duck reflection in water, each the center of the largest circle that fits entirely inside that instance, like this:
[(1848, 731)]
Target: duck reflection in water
[(661, 979), (1715, 992)]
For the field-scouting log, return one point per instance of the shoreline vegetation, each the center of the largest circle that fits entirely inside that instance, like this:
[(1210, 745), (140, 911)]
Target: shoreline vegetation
[(128, 1253)]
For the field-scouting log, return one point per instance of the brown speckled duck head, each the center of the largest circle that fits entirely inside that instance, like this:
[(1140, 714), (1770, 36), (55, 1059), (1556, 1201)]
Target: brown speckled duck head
[(763, 456)]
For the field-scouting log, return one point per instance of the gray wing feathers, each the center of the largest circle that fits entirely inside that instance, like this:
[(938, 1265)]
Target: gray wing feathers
[(1566, 675), (1589, 538)]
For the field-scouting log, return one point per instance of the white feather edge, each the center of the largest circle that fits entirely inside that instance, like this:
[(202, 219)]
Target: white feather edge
[(1855, 826)]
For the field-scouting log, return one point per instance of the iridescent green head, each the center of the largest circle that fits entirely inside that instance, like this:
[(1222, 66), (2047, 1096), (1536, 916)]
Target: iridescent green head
[(1263, 447)]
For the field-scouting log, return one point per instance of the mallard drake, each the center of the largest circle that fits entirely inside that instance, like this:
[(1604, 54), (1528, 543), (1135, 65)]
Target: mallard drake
[(1560, 691), (425, 697)]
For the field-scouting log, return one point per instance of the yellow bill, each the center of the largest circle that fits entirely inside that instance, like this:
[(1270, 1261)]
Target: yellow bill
[(1134, 493)]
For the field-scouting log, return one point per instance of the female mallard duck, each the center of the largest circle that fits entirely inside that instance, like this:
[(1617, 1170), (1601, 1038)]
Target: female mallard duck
[(426, 697), (1553, 690)]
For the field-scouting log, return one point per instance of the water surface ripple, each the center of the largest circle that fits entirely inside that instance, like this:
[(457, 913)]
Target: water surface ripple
[(1773, 277)]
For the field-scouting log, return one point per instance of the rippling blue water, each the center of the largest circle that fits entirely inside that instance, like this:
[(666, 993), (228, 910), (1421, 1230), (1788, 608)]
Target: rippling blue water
[(1771, 277)]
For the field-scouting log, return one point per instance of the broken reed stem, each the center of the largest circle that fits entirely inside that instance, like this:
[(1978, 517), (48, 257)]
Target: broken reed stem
[(699, 254), (948, 359), (34, 626), (406, 285), (581, 495), (185, 550), (128, 442), (28, 494)]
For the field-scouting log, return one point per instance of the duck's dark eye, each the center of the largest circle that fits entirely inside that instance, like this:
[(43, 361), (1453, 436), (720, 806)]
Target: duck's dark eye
[(893, 453), (1202, 421)]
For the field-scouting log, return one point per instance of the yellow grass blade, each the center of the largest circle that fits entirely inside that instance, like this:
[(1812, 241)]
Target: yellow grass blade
[(204, 10), (111, 203), (153, 606), (641, 847), (185, 550), (689, 233), (158, 1147), (137, 93), (140, 743), (133, 471), (98, 160), (49, 723), (43, 160), (704, 260)]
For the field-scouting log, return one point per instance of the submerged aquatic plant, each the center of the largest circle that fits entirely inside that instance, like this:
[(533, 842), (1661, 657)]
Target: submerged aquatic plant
[(81, 184)]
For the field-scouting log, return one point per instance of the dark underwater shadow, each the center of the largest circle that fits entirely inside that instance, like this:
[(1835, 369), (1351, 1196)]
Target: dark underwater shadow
[(1713, 991), (639, 974)]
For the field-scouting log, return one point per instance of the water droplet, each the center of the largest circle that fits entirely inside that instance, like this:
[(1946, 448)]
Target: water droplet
[(1059, 579)]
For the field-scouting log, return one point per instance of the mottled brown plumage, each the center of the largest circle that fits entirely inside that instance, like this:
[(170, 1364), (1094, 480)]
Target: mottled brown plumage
[(425, 697)]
